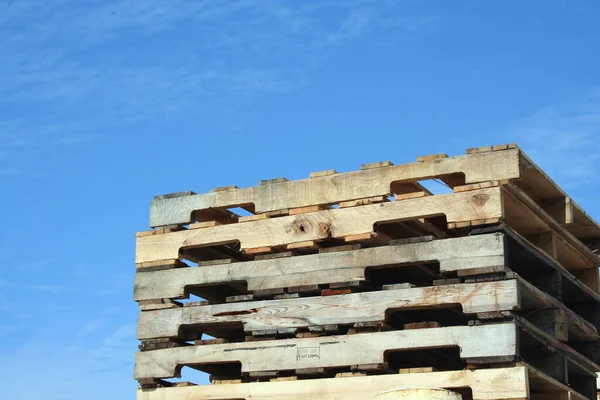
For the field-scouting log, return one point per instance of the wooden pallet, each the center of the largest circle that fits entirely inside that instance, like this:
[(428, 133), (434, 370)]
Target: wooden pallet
[(496, 343), (326, 224), (481, 167), (344, 309), (478, 207), (521, 382), (394, 308), (472, 258), (347, 264), (487, 300), (332, 351)]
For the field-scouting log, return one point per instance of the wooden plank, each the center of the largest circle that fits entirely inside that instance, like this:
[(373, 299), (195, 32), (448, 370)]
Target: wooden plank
[(453, 254), (332, 189), (348, 309), (431, 157), (336, 223), (496, 340), (373, 200), (486, 384), (378, 164), (327, 172), (308, 209)]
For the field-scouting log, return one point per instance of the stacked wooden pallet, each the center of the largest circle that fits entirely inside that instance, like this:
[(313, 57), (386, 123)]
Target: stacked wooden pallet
[(342, 286)]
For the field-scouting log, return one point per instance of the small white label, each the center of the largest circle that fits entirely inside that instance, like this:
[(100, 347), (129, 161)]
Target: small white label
[(308, 353)]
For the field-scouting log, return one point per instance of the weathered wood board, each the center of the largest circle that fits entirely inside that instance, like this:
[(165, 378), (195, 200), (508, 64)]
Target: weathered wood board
[(477, 205), (516, 383), (495, 340), (454, 254), (335, 188), (346, 309)]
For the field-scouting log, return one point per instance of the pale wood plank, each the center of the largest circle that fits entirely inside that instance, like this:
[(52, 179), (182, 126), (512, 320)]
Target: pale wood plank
[(431, 157)]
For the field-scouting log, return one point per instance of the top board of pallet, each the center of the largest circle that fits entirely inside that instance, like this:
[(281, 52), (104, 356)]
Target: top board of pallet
[(479, 168)]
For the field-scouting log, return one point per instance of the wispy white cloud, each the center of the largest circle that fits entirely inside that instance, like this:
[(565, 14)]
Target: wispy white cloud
[(35, 287), (562, 139), (66, 368), (32, 266), (215, 36), (90, 327), (73, 69)]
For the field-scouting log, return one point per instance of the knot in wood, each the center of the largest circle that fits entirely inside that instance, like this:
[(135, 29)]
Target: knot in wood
[(479, 199)]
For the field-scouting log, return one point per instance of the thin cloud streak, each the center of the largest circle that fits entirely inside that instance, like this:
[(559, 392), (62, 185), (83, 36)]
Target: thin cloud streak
[(81, 69), (562, 140)]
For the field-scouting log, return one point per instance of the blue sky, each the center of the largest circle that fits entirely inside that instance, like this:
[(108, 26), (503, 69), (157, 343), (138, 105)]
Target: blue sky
[(104, 104)]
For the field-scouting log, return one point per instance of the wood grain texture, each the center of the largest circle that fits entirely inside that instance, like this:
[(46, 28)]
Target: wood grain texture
[(418, 394), (332, 189), (486, 384), (336, 223), (495, 340), (347, 309), (453, 255)]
